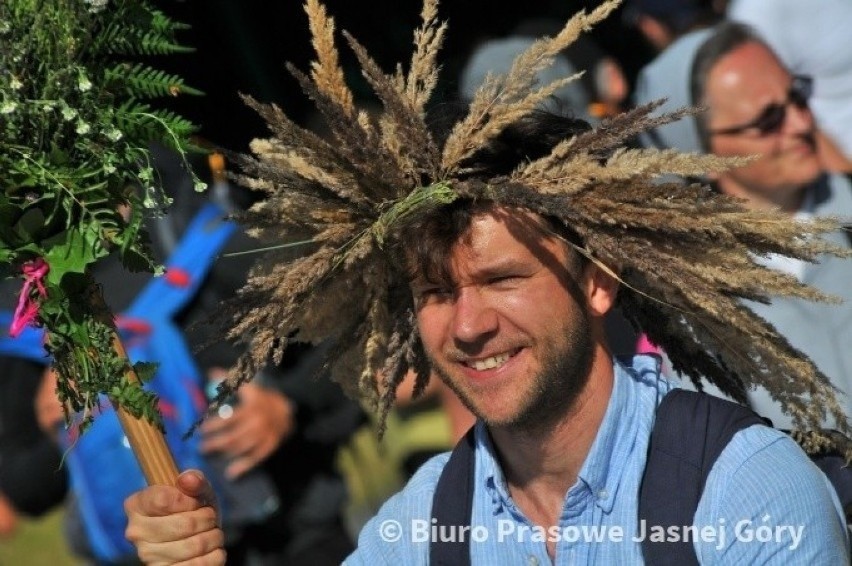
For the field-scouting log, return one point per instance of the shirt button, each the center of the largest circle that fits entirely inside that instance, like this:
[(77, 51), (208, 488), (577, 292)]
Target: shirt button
[(532, 561), (603, 494)]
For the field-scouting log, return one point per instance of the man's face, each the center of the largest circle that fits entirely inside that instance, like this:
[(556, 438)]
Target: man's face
[(510, 337), (745, 87)]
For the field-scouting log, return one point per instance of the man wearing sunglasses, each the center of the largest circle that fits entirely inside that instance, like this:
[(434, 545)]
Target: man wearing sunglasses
[(754, 108), (813, 38), (771, 119)]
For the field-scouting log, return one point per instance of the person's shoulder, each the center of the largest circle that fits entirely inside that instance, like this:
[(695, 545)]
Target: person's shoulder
[(840, 186), (763, 480), (426, 477), (389, 537), (758, 445), (415, 499)]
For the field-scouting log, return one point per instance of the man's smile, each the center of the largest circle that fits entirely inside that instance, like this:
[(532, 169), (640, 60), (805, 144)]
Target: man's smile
[(491, 362)]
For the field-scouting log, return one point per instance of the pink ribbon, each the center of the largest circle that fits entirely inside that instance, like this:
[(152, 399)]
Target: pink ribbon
[(27, 309)]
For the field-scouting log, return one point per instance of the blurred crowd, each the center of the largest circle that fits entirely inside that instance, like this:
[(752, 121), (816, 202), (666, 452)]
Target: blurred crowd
[(298, 464)]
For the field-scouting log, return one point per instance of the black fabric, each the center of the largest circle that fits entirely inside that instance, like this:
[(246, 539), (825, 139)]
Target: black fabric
[(30, 472), (834, 466), (690, 431), (325, 544), (452, 504)]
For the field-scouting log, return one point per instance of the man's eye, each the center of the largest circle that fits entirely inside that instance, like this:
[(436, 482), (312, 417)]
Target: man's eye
[(434, 293), (504, 281)]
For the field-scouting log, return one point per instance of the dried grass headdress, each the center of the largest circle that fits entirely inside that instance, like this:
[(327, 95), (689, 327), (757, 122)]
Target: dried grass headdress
[(686, 255)]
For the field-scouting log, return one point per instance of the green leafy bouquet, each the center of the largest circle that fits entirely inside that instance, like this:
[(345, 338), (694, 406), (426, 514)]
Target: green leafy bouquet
[(77, 176)]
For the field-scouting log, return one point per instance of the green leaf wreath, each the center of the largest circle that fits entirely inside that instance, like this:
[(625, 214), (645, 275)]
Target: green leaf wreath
[(76, 173)]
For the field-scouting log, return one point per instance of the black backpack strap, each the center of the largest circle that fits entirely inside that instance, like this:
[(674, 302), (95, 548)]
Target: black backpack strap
[(452, 504), (690, 432)]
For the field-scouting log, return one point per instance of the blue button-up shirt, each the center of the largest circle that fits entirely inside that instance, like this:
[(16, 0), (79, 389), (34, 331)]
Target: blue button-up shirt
[(764, 501)]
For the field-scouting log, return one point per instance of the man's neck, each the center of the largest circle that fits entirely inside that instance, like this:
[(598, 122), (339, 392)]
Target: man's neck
[(541, 466)]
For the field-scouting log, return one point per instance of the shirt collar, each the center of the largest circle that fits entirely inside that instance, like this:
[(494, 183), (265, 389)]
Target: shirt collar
[(613, 443)]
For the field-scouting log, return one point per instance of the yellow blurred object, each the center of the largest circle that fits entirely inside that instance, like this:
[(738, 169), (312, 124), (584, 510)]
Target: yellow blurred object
[(216, 161), (375, 470)]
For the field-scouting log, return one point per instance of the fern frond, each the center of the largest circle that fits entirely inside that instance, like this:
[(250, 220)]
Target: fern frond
[(141, 121), (142, 81), (135, 31)]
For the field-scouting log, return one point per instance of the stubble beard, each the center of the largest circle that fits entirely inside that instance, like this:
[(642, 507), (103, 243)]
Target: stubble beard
[(565, 371)]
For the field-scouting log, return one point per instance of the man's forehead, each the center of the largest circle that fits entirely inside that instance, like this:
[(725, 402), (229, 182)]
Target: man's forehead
[(489, 230), (495, 240), (495, 244), (747, 66), (743, 82)]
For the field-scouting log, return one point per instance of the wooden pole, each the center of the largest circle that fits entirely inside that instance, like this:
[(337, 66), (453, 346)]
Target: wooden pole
[(146, 440)]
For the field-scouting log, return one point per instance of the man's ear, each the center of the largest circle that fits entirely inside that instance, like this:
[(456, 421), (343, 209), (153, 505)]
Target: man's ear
[(601, 288)]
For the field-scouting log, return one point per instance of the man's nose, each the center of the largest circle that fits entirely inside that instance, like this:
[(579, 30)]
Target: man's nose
[(474, 317), (798, 119)]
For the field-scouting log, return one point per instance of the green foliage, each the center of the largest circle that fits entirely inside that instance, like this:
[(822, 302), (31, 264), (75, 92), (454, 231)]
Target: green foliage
[(145, 371), (143, 81), (139, 29), (75, 127)]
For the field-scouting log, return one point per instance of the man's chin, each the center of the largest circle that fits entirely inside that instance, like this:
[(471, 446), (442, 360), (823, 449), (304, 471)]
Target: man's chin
[(489, 407)]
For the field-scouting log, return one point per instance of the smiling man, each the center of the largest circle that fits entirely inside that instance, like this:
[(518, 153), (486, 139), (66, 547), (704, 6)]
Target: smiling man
[(501, 312), (511, 315)]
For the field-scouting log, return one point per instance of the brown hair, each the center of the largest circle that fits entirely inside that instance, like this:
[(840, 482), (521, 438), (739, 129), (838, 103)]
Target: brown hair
[(426, 242)]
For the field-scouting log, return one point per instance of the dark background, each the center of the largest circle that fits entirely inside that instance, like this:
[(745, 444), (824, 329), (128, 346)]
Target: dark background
[(242, 46)]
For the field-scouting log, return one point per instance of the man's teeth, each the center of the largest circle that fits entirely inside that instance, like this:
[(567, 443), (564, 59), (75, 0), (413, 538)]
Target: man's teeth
[(489, 363)]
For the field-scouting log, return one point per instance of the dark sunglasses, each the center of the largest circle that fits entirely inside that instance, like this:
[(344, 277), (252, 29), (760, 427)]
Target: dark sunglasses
[(771, 120)]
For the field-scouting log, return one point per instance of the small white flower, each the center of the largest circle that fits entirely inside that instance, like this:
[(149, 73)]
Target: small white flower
[(83, 83), (200, 186), (8, 106), (5, 27), (82, 127), (109, 169), (68, 113), (96, 6), (15, 83), (113, 134)]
